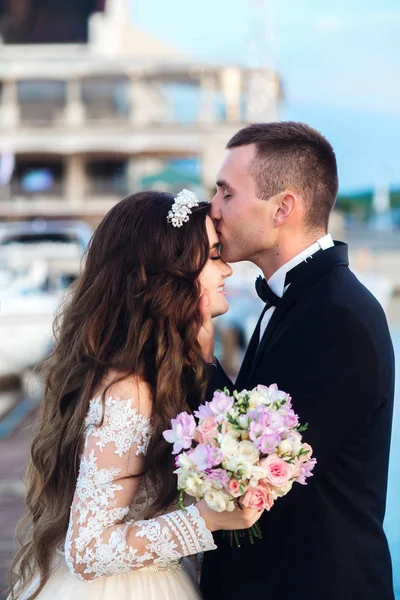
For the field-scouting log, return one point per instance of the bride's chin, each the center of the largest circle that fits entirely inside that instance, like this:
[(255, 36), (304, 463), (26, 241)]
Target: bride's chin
[(219, 311)]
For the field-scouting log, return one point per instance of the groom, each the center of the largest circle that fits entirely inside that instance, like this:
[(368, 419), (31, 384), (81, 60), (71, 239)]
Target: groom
[(323, 338)]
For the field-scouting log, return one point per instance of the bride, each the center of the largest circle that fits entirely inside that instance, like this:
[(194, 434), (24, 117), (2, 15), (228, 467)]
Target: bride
[(100, 520)]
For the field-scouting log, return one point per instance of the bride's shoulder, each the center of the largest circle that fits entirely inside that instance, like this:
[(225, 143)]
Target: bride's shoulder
[(131, 391), (122, 413)]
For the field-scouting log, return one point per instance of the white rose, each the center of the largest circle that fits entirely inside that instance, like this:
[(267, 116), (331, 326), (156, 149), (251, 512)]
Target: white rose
[(217, 500), (234, 433), (191, 484), (291, 445), (207, 485), (249, 452), (229, 445), (241, 396), (236, 462), (195, 486), (295, 438), (183, 476), (256, 399), (257, 473), (232, 463), (243, 421), (285, 447), (234, 412), (266, 393), (239, 463), (284, 489), (184, 461)]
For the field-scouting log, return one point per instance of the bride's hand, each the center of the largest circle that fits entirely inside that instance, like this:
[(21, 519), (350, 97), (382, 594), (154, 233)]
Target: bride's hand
[(237, 519), (206, 333)]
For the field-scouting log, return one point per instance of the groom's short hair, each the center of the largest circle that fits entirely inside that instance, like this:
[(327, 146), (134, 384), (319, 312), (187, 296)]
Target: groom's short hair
[(293, 155)]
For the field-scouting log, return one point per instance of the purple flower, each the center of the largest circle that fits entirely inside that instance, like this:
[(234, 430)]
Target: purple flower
[(305, 471), (205, 457), (204, 411), (182, 432), (255, 431), (290, 419), (260, 422), (216, 455), (273, 394), (277, 422), (218, 477), (260, 415), (220, 403), (267, 443)]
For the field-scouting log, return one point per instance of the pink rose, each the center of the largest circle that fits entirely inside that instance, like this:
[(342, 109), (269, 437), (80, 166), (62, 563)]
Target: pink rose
[(234, 488), (208, 431), (277, 470), (259, 498), (307, 453)]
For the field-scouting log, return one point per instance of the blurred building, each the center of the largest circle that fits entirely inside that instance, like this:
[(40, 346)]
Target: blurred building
[(92, 108)]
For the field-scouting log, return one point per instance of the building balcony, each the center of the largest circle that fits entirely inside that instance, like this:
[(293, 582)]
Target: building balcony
[(186, 99)]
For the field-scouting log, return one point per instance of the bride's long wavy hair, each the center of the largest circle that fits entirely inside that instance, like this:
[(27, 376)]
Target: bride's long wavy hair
[(134, 310)]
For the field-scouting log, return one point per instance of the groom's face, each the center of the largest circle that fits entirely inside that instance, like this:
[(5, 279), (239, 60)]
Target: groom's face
[(244, 222)]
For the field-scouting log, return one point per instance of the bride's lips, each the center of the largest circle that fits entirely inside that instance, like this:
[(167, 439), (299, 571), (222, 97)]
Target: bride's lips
[(221, 290)]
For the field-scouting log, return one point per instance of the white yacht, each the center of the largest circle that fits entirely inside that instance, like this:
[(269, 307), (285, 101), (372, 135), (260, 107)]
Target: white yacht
[(38, 260)]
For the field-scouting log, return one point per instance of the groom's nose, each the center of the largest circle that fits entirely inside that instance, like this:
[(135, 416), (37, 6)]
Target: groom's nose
[(215, 211)]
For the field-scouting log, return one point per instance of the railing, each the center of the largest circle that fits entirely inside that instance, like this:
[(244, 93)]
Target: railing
[(56, 190), (40, 114), (104, 112), (100, 187), (147, 104)]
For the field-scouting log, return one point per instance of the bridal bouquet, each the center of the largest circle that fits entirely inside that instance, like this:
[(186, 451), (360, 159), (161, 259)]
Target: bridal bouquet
[(246, 446)]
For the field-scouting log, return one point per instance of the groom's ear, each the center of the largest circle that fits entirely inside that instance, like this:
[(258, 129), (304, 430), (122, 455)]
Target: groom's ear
[(286, 204)]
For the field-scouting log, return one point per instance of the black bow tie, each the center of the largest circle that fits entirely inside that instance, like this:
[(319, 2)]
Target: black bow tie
[(267, 295)]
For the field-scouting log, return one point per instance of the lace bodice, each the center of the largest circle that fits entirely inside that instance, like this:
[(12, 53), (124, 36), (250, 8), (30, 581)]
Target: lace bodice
[(107, 532)]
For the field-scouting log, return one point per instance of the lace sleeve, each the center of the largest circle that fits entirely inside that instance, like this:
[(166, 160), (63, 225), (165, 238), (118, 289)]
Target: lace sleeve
[(98, 541)]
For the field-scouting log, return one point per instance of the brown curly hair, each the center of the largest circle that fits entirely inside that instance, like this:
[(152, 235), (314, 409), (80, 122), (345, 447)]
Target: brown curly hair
[(133, 310)]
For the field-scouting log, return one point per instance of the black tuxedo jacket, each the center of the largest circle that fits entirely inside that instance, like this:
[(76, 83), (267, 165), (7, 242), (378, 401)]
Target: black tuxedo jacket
[(328, 345)]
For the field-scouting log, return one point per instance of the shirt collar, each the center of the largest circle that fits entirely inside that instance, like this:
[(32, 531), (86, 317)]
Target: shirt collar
[(277, 281)]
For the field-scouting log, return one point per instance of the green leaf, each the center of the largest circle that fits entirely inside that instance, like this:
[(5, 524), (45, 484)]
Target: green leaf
[(303, 452), (301, 428)]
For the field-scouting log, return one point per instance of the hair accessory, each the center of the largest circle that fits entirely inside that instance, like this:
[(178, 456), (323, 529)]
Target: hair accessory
[(180, 210)]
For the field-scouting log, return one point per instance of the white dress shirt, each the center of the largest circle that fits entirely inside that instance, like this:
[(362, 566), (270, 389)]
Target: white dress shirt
[(277, 281)]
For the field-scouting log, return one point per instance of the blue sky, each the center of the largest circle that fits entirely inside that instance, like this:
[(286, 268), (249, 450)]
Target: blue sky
[(339, 61)]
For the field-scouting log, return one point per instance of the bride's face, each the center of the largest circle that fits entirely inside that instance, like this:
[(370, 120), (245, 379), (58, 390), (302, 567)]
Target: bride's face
[(212, 278)]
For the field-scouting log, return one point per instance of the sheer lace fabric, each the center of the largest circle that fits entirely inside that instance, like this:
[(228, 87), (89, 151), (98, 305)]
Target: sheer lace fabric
[(108, 534)]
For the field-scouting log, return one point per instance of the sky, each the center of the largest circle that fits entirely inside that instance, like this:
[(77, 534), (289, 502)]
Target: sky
[(339, 62)]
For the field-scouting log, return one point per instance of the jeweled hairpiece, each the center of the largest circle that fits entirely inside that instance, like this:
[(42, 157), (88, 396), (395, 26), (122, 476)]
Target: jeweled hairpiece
[(181, 208)]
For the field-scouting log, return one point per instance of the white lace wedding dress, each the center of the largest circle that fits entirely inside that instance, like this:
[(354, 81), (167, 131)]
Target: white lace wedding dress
[(115, 548)]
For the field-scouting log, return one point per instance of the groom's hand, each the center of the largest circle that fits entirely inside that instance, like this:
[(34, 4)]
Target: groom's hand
[(206, 333)]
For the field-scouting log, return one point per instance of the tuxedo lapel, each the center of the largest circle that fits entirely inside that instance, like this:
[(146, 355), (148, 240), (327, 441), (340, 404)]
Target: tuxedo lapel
[(250, 352), (316, 268)]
